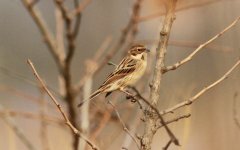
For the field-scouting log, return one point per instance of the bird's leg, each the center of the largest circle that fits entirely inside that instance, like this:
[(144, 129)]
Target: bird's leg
[(126, 92), (133, 97)]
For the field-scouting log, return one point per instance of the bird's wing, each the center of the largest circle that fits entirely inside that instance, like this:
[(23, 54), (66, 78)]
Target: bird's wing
[(125, 67), (126, 63)]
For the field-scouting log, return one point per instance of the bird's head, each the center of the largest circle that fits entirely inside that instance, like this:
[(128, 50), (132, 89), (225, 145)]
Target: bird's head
[(138, 51)]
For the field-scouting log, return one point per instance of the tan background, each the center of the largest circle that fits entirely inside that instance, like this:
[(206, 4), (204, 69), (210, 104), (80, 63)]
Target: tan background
[(211, 126)]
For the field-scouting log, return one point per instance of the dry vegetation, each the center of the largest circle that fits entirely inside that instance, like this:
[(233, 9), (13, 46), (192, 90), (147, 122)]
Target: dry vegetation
[(93, 120)]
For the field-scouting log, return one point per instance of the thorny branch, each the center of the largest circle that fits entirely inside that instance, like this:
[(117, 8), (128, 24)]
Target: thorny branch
[(75, 130)]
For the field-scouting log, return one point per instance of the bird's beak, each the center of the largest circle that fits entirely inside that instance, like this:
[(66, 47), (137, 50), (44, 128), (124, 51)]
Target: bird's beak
[(147, 50)]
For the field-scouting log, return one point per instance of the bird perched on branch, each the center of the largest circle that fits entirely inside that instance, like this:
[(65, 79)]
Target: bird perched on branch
[(127, 72)]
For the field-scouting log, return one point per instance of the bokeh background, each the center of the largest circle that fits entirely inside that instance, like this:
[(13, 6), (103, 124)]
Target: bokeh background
[(211, 125)]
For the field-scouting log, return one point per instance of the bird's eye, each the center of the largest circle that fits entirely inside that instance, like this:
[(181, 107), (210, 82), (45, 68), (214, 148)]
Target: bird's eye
[(138, 49)]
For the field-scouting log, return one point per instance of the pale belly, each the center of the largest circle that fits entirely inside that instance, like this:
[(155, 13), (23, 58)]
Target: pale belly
[(136, 75), (129, 80)]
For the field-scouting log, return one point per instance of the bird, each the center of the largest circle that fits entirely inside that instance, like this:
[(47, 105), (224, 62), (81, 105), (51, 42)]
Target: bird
[(130, 69)]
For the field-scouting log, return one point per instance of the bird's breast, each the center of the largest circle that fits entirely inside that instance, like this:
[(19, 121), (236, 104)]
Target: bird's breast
[(138, 73)]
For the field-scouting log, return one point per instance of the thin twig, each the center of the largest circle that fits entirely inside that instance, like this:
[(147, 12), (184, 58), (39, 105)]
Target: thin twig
[(69, 34), (169, 132), (60, 33), (188, 58), (11, 73), (29, 115), (188, 44), (83, 5), (106, 117), (134, 18), (134, 123), (47, 35), (75, 130), (161, 13), (78, 20), (23, 95), (235, 118), (200, 93), (112, 64), (18, 131), (102, 48), (176, 119), (167, 145), (43, 127), (123, 124)]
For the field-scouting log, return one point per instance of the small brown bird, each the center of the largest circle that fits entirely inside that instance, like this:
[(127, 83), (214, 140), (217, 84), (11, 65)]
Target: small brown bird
[(127, 73)]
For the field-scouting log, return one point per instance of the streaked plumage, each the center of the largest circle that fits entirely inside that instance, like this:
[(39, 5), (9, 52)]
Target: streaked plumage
[(127, 73)]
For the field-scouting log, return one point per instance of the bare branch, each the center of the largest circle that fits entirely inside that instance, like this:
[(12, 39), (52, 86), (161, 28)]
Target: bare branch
[(60, 33), (69, 34), (235, 118), (85, 120), (18, 131), (134, 124), (123, 124), (163, 123), (47, 35), (78, 20), (11, 73), (106, 117), (167, 145), (150, 128), (189, 44), (200, 93), (29, 115), (75, 130), (78, 10), (161, 13), (43, 128), (134, 18), (188, 58), (176, 119)]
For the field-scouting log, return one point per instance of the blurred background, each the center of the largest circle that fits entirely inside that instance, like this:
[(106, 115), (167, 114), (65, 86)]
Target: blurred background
[(211, 125)]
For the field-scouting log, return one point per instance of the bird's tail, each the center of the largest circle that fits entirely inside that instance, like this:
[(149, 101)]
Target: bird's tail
[(95, 94)]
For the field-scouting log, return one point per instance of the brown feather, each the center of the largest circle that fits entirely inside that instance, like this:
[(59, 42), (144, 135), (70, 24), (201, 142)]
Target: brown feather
[(115, 76)]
